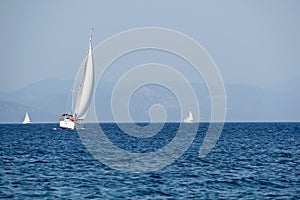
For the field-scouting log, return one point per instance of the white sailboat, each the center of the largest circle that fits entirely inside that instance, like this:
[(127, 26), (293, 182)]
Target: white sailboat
[(26, 119), (189, 118), (85, 93)]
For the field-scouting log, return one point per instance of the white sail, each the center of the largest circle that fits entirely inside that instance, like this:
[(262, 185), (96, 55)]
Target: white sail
[(189, 118), (26, 119), (86, 86)]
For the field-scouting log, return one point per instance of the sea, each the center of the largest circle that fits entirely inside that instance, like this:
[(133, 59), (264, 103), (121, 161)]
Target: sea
[(249, 161)]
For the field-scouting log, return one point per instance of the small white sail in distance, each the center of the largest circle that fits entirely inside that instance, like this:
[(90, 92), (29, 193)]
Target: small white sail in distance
[(26, 119), (189, 118), (86, 86)]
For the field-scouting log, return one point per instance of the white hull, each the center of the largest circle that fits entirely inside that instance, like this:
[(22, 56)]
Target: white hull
[(67, 124)]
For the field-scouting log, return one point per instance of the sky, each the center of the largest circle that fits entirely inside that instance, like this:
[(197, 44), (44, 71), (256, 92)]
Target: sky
[(254, 43)]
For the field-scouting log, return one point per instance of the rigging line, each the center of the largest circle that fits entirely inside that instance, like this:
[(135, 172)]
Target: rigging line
[(70, 93)]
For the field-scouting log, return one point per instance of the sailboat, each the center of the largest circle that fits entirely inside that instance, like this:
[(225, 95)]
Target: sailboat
[(26, 119), (189, 118), (84, 93)]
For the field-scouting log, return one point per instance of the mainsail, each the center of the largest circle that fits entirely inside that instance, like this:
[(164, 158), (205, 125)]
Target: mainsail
[(189, 118), (86, 86), (26, 119)]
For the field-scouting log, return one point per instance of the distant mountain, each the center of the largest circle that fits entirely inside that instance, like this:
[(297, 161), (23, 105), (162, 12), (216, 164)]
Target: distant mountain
[(287, 87), (144, 97), (48, 99), (256, 104), (50, 95), (14, 113)]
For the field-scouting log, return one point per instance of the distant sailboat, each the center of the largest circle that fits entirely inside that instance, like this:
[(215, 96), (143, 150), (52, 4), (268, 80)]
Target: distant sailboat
[(189, 118), (26, 119), (85, 92)]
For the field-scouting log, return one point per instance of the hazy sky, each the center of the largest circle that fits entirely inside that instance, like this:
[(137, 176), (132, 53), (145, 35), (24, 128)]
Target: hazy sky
[(252, 42)]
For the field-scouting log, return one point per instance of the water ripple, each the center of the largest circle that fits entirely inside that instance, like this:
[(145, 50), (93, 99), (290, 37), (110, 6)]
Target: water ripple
[(251, 161)]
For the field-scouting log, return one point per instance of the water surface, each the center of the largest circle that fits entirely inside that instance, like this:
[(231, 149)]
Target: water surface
[(250, 160)]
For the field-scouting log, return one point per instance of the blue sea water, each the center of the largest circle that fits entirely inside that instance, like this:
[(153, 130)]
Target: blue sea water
[(250, 161)]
